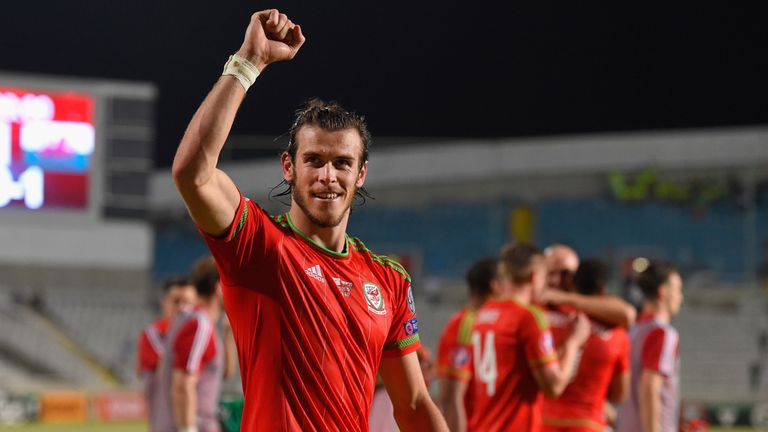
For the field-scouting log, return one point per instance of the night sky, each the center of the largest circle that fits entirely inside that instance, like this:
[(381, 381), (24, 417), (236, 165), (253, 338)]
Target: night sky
[(473, 69)]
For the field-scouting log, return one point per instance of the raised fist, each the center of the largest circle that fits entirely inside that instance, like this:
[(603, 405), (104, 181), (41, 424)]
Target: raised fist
[(270, 37)]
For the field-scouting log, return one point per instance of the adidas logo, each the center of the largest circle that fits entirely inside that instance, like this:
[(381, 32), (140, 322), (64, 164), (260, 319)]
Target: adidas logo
[(315, 273)]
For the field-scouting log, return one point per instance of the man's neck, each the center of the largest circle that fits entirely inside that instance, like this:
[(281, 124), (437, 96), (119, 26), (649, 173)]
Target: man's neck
[(475, 302), (331, 238), (211, 308), (657, 311), (522, 294)]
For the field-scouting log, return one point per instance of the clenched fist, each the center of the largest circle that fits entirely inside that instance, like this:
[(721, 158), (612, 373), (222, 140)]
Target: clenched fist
[(270, 37)]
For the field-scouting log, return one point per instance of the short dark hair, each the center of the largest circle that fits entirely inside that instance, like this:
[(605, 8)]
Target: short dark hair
[(329, 116), (591, 277), (175, 281), (480, 275), (516, 260), (205, 276), (657, 274)]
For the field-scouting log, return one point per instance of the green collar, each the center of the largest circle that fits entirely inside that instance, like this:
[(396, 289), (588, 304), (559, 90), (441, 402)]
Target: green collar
[(342, 254)]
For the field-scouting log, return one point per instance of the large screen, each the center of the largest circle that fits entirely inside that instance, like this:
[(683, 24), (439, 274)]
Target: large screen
[(47, 141)]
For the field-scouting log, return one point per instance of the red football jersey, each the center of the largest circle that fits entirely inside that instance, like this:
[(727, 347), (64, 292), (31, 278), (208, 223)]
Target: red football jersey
[(194, 345), (152, 345), (509, 341), (454, 351), (604, 355), (311, 324)]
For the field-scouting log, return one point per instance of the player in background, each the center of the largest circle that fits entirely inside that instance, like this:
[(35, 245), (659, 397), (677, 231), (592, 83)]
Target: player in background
[(654, 404), (193, 365), (603, 367), (454, 350), (514, 356), (178, 294), (562, 263), (314, 313), (381, 418)]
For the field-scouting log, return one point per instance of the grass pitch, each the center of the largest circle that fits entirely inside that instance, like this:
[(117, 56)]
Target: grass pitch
[(87, 427)]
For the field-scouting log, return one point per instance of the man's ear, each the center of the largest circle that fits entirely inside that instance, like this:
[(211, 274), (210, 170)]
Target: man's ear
[(287, 167), (361, 175), (663, 292)]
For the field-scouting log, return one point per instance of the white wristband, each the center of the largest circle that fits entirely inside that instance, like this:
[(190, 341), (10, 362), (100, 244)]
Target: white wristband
[(242, 69), (187, 429)]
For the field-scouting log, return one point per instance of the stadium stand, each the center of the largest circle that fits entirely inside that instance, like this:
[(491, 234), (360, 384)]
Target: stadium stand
[(34, 345)]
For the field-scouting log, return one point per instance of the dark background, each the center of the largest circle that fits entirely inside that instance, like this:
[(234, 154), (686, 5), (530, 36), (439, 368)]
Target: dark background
[(470, 69)]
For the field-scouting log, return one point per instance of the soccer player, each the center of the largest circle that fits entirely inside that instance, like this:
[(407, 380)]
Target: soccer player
[(178, 294), (562, 263), (455, 347), (603, 368), (314, 313), (514, 357), (653, 404), (193, 365)]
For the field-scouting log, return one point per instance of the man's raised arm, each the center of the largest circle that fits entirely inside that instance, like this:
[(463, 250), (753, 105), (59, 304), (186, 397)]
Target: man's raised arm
[(210, 195)]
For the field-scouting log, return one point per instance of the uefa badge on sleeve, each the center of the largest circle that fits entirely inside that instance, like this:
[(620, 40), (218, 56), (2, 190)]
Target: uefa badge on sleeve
[(411, 303)]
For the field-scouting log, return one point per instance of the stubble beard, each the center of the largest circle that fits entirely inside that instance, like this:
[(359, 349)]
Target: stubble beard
[(329, 221)]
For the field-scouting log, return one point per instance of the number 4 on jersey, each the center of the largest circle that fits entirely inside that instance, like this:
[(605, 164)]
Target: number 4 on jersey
[(485, 360)]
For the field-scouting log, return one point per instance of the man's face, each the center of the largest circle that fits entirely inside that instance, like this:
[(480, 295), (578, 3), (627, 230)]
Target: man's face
[(326, 173), (674, 294), (539, 278), (561, 266), (179, 297)]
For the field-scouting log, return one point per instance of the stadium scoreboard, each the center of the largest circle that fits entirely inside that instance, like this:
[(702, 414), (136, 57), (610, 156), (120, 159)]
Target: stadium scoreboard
[(75, 147)]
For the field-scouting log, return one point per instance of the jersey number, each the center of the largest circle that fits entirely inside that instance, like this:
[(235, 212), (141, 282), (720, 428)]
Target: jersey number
[(485, 360)]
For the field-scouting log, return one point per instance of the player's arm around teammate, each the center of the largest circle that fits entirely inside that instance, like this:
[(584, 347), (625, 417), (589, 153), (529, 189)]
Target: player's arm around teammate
[(210, 195), (413, 407), (554, 377), (606, 308)]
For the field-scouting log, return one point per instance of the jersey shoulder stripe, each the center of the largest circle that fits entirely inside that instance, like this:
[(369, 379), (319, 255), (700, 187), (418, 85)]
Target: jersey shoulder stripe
[(359, 246), (241, 220), (465, 327), (539, 316), (281, 221)]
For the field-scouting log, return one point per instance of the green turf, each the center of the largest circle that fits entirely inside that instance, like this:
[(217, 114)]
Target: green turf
[(88, 427)]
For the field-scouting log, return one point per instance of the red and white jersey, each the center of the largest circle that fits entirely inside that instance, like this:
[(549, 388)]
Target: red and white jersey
[(151, 345), (192, 346), (454, 351), (655, 347), (150, 350), (311, 325), (604, 355), (509, 341)]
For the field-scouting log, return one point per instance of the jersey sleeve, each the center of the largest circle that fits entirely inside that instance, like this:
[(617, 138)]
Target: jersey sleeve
[(622, 362), (454, 350), (538, 342), (403, 336), (194, 346), (660, 351), (244, 247), (148, 352)]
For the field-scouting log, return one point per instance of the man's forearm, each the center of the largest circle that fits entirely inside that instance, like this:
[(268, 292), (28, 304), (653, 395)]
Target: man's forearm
[(650, 402), (198, 153), (568, 354), (452, 404), (606, 308), (184, 403), (424, 417)]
